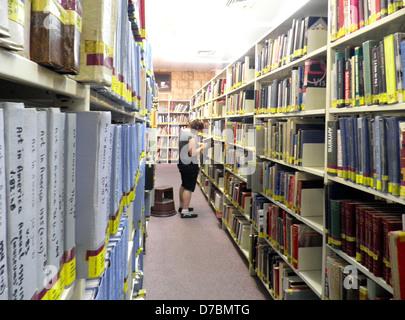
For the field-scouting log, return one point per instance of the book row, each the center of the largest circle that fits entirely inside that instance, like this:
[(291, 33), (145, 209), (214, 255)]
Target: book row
[(115, 282), (240, 72), (179, 107), (294, 141), (183, 118), (240, 133), (344, 282), (91, 40), (349, 16), (297, 190), (286, 234), (67, 178), (369, 74), (167, 154), (360, 229), (294, 93), (241, 102), (237, 225), (110, 285), (167, 142), (283, 282), (368, 151), (289, 46)]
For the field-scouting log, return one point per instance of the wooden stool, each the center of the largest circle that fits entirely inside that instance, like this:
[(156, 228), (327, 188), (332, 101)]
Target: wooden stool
[(164, 203)]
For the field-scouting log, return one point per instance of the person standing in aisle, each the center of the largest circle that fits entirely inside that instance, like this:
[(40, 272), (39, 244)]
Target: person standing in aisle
[(188, 165)]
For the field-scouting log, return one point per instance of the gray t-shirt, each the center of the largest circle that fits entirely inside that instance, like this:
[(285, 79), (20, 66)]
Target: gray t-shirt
[(184, 138)]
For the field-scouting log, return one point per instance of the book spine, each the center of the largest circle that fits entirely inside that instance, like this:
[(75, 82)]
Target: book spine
[(70, 199), (389, 52), (333, 13), (359, 80), (14, 166), (30, 197), (3, 223), (332, 147), (394, 158), (384, 8), (348, 76), (383, 80), (354, 15), (55, 220), (367, 71), (336, 231), (402, 158), (42, 174), (341, 19), (295, 244), (375, 74), (398, 38), (340, 78), (350, 229)]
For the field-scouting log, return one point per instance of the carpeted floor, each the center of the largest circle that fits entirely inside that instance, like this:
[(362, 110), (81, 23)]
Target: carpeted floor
[(194, 259)]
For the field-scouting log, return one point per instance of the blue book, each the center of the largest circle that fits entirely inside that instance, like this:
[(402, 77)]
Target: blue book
[(300, 85), (364, 151), (343, 151), (393, 150)]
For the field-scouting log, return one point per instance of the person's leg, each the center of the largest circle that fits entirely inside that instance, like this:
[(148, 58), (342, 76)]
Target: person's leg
[(189, 187), (186, 199), (181, 190)]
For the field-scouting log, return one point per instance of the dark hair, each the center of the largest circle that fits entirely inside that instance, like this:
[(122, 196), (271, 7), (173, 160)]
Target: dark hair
[(197, 125)]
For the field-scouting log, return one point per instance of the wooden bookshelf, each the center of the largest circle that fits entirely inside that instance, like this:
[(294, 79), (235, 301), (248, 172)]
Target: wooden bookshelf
[(212, 105)]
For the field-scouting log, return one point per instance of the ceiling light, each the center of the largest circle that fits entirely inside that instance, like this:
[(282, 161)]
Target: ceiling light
[(240, 3), (205, 53)]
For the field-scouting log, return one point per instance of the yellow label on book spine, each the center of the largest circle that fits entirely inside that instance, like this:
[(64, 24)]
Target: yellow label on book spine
[(97, 264), (16, 11), (70, 272)]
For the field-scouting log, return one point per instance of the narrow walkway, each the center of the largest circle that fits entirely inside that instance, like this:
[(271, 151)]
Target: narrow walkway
[(194, 259)]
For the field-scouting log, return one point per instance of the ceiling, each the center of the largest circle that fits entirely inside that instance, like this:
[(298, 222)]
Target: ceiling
[(209, 34)]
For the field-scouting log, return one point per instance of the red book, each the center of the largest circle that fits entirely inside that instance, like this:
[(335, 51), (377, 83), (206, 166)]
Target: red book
[(295, 236), (360, 258), (378, 240), (397, 254), (343, 225), (276, 281), (389, 224), (286, 244), (351, 226), (269, 219), (341, 18), (377, 9), (354, 15)]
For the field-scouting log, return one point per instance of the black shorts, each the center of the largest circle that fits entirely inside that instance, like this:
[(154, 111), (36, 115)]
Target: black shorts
[(189, 174)]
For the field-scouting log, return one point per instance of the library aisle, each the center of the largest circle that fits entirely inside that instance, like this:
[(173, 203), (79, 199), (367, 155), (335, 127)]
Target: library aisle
[(194, 259)]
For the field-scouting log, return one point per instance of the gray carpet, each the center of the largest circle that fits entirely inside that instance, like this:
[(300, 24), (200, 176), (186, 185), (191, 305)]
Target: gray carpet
[(194, 259)]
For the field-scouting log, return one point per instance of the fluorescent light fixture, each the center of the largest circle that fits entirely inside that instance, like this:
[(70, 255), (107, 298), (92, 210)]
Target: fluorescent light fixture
[(195, 60)]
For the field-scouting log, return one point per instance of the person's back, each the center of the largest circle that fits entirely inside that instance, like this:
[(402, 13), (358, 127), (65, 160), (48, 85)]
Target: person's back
[(184, 155)]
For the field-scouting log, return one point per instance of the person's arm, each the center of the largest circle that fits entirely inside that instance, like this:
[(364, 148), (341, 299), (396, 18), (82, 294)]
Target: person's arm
[(193, 150)]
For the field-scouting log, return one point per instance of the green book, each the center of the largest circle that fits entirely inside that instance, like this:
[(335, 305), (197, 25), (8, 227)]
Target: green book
[(335, 224), (367, 65)]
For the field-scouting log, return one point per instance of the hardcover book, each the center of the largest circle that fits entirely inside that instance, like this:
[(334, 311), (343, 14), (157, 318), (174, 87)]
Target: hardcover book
[(397, 250)]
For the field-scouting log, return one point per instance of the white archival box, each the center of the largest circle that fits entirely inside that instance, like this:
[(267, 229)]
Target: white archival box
[(310, 202), (313, 154)]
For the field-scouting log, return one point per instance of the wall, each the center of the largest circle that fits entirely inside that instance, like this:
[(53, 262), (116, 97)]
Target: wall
[(185, 83)]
